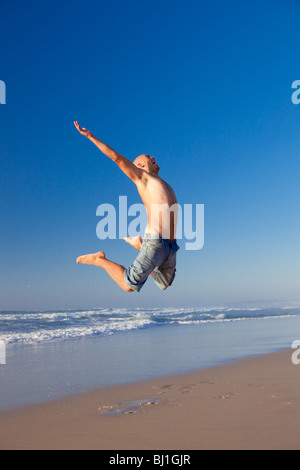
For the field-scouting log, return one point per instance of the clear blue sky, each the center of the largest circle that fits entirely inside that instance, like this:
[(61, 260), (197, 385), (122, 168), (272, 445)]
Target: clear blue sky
[(203, 86)]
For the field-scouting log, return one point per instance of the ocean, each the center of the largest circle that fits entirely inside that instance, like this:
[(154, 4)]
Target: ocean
[(49, 354), (60, 325)]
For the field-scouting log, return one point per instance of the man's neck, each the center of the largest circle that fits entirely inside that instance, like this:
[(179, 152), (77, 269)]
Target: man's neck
[(151, 173)]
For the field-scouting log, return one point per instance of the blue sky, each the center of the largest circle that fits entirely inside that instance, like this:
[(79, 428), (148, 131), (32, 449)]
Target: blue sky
[(206, 88)]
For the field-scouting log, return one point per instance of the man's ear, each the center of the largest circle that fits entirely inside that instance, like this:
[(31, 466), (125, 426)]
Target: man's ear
[(140, 165)]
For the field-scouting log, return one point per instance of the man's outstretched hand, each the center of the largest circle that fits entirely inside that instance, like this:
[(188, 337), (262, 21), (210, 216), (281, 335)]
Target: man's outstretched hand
[(82, 130)]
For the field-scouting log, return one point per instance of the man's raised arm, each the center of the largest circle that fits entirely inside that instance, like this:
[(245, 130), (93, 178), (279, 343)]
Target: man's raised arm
[(123, 163)]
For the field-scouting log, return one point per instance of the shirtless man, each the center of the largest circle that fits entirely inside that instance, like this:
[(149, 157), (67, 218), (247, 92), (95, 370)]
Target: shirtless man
[(157, 250)]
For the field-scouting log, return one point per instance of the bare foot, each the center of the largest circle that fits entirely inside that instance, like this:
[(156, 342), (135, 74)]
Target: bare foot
[(93, 259), (136, 242)]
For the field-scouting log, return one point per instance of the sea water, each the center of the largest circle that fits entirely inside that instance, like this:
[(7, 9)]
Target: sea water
[(54, 353)]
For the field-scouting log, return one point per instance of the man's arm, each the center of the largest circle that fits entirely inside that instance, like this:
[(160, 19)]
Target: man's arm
[(123, 163)]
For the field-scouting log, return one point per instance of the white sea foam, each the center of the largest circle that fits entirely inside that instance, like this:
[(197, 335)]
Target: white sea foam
[(36, 327)]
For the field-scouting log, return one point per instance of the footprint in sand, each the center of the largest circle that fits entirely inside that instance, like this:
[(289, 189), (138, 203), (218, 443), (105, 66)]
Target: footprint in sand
[(225, 397), (164, 388), (188, 388), (127, 407)]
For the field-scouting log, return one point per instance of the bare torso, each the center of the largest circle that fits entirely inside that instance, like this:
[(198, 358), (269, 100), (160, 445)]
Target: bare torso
[(158, 197)]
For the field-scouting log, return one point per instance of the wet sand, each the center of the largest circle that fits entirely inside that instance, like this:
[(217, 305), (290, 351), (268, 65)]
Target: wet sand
[(252, 403)]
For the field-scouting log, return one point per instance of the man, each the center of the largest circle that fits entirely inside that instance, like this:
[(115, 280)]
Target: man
[(157, 250)]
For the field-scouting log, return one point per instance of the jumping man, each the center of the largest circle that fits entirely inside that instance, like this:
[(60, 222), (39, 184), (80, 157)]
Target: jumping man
[(157, 250)]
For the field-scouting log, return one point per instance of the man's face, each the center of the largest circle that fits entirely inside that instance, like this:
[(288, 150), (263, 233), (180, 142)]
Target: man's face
[(147, 163)]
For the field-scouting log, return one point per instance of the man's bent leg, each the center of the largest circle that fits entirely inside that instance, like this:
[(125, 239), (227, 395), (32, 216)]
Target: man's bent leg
[(136, 242), (164, 274), (116, 271)]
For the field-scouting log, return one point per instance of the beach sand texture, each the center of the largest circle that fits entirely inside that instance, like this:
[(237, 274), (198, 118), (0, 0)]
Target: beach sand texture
[(252, 403)]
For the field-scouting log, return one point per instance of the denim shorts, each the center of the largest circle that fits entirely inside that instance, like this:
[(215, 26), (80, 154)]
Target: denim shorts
[(157, 255)]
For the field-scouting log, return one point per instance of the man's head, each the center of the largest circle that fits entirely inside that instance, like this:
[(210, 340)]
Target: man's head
[(147, 163)]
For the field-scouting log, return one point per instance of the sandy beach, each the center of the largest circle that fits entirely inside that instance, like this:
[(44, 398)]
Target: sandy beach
[(252, 403)]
